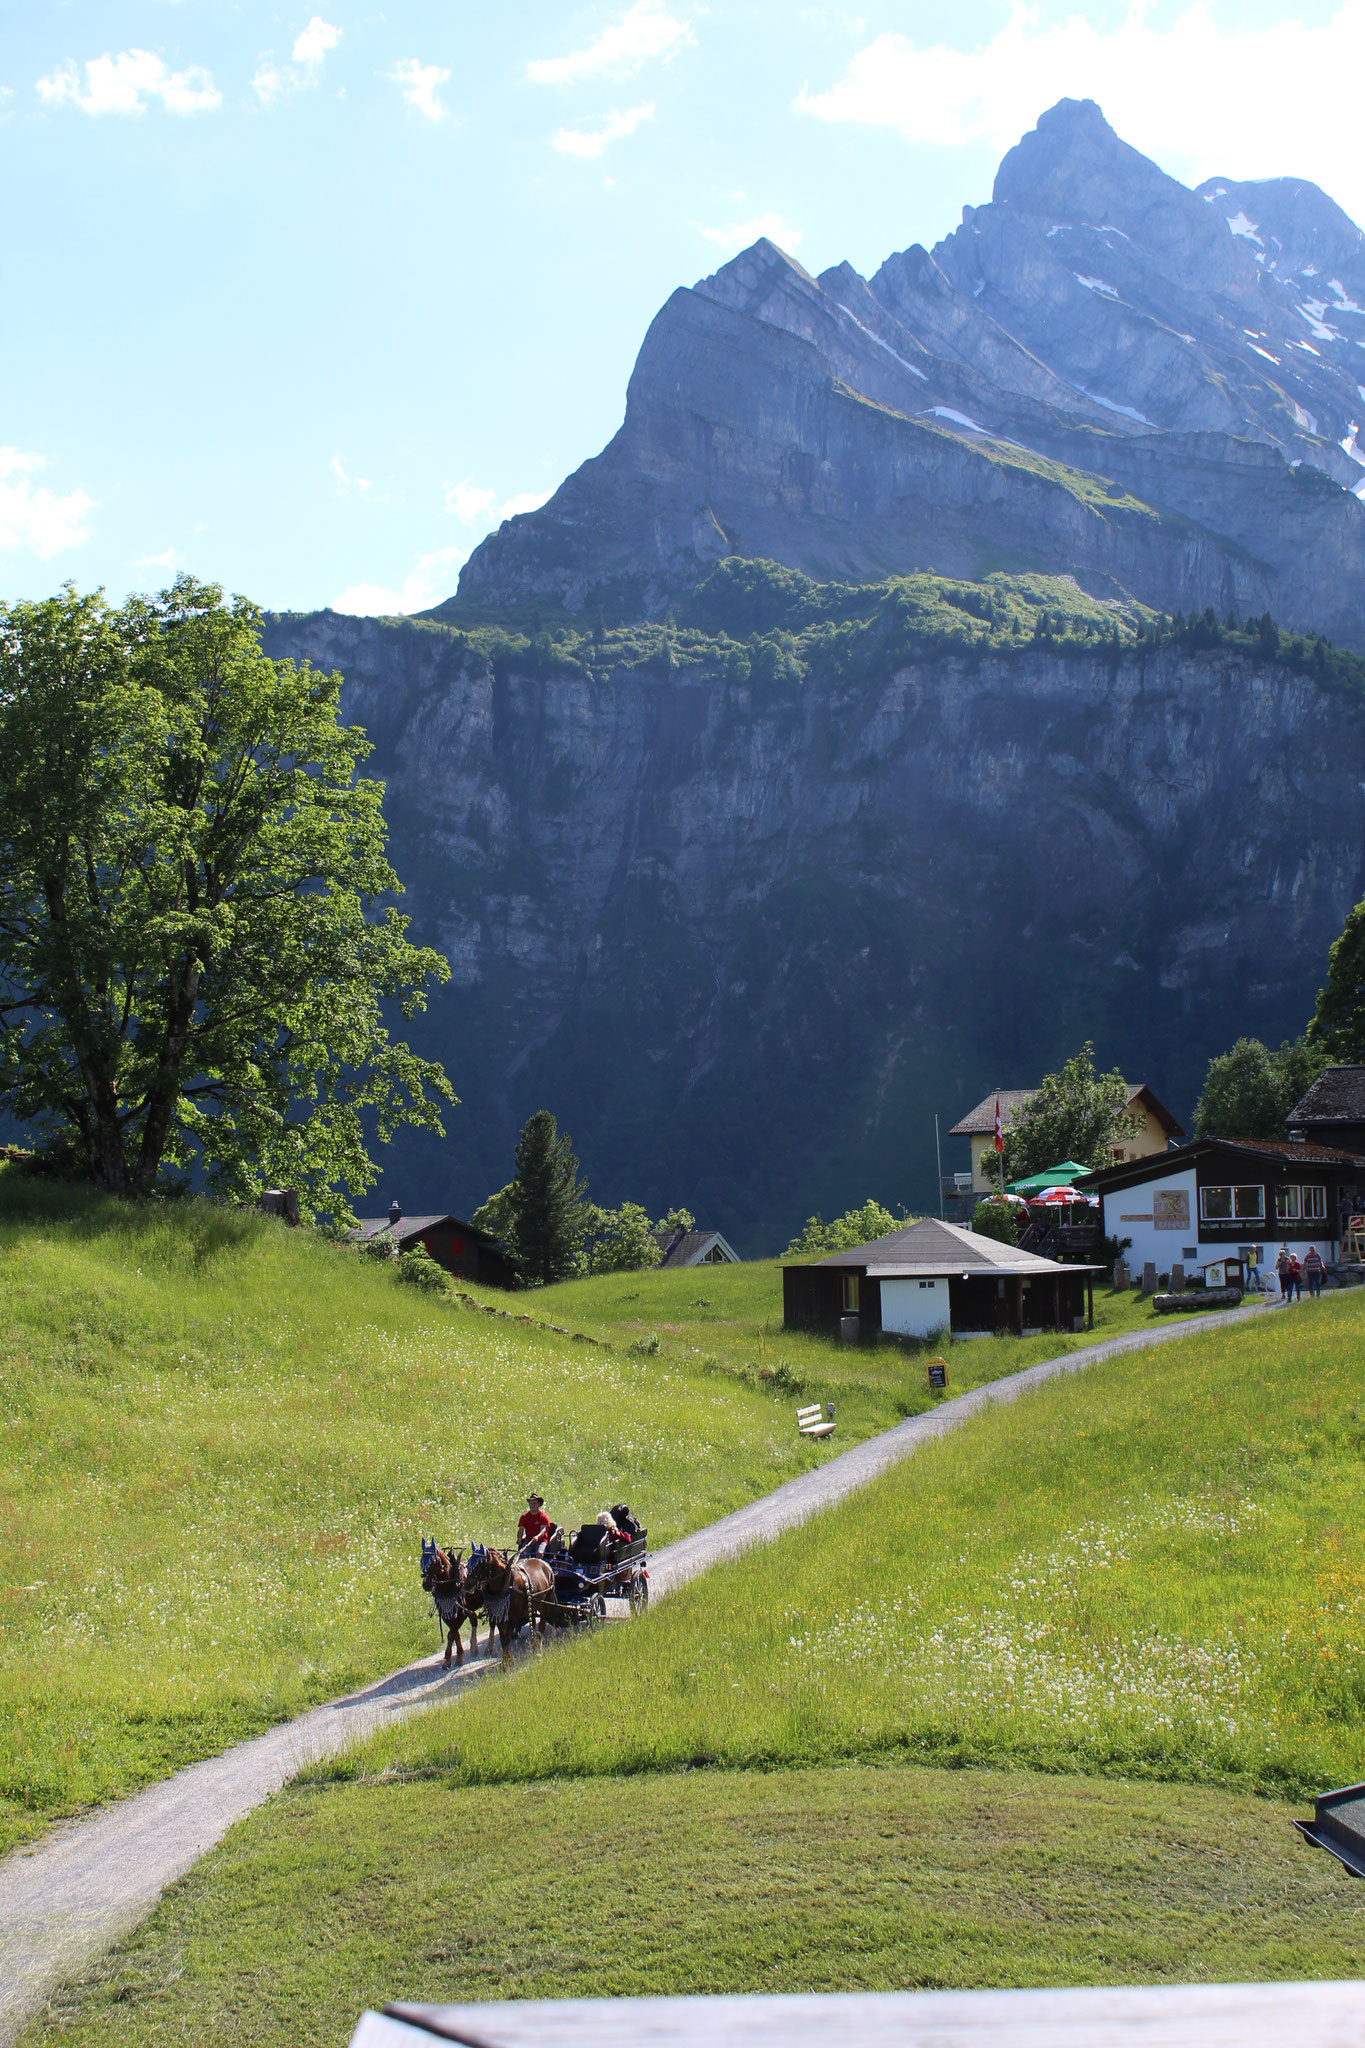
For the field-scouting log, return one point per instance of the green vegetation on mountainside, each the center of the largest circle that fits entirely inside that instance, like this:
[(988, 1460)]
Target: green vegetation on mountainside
[(221, 1443), (758, 623), (1153, 1569), (331, 1900)]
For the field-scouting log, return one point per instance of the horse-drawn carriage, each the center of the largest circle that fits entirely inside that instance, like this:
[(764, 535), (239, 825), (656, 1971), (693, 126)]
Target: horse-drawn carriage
[(593, 1567), (568, 1585)]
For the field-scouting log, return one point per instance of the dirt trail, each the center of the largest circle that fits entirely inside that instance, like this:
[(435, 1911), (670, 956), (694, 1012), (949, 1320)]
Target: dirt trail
[(66, 1898)]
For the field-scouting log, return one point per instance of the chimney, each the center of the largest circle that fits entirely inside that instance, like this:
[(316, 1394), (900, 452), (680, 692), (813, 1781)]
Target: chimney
[(395, 1213)]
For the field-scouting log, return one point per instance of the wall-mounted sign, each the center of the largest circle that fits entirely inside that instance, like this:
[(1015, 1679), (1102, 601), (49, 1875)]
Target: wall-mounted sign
[(1170, 1209), (1136, 1219)]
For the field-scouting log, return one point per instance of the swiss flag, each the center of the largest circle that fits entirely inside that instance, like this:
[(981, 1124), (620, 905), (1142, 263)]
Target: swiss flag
[(999, 1136)]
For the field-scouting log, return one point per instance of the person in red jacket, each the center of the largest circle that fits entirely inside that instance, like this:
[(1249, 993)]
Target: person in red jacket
[(535, 1527), (1312, 1270)]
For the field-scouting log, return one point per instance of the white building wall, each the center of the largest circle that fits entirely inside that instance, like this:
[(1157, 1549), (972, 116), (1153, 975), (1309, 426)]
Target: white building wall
[(1133, 1212), (916, 1308)]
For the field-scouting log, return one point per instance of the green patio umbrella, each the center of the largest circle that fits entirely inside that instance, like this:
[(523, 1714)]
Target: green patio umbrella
[(1061, 1176)]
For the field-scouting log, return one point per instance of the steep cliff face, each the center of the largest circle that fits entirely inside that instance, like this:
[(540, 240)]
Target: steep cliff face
[(1100, 373), (746, 938)]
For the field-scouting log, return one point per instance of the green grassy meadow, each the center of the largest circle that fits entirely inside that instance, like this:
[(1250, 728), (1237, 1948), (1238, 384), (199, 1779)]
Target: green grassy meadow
[(725, 1322), (1030, 1709), (337, 1898), (1156, 1569), (220, 1444)]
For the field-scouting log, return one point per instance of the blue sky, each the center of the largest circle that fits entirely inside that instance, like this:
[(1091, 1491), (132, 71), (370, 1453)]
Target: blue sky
[(305, 300)]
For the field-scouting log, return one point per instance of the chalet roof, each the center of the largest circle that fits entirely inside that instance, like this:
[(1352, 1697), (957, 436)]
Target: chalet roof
[(408, 1227), (980, 1122), (689, 1247), (933, 1247), (1279, 1152), (1337, 1096)]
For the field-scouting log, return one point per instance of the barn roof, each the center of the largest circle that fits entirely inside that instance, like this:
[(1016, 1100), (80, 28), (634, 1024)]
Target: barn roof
[(689, 1247), (1337, 1096), (933, 1247), (408, 1227)]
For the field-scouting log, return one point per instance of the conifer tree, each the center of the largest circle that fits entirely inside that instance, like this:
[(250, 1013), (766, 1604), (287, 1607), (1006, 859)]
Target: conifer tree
[(547, 1207)]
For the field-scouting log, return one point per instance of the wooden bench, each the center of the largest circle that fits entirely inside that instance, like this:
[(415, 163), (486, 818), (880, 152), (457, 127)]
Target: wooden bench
[(815, 1420)]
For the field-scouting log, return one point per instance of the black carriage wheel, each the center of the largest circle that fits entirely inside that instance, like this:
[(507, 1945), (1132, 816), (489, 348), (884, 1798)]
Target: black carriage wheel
[(599, 1607), (639, 1594)]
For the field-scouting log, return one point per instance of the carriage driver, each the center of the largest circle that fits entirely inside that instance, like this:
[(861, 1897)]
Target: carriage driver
[(535, 1527)]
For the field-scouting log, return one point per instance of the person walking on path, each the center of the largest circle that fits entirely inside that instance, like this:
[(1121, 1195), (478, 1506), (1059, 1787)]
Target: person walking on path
[(1282, 1271), (1312, 1271), (1295, 1278)]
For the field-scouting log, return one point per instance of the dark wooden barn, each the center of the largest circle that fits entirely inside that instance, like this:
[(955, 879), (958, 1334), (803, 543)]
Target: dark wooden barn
[(468, 1253)]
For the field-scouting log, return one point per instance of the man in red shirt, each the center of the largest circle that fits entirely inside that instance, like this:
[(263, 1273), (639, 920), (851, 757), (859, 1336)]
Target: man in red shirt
[(534, 1528)]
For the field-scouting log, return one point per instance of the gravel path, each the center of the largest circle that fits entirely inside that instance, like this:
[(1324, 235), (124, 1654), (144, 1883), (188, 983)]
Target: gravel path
[(88, 1882)]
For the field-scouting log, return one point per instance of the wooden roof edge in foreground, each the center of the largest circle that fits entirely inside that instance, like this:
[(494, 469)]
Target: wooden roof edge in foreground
[(1322, 2012), (933, 1247)]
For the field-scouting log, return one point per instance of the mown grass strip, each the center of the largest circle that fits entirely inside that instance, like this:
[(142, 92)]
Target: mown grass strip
[(858, 1879)]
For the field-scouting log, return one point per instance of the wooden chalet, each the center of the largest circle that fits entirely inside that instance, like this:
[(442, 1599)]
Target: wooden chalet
[(1239, 1197), (468, 1253), (931, 1277), (1156, 1128)]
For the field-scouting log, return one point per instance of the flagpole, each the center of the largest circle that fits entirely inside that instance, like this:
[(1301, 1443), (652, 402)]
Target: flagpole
[(938, 1154)]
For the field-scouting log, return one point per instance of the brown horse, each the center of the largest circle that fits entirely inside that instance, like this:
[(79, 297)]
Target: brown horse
[(513, 1591), (446, 1577)]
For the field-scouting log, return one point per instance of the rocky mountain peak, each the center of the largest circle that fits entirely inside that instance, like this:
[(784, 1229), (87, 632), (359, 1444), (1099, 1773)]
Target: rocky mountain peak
[(1101, 373)]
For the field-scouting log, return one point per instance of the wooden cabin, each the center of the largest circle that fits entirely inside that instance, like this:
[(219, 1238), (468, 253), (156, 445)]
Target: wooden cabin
[(468, 1253), (932, 1277)]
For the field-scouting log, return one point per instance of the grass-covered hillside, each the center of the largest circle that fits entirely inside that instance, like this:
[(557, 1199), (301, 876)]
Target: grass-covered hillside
[(1131, 1603), (220, 1444), (1152, 1569)]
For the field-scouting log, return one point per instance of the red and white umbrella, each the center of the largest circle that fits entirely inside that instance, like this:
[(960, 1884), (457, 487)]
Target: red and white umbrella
[(1069, 1196)]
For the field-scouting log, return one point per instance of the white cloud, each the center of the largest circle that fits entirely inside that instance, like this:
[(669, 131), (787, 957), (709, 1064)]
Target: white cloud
[(350, 483), (1200, 96), (433, 576), (430, 580), (591, 142), (643, 33), (126, 84), (525, 501), (269, 83), (315, 41), (38, 518), (166, 560), (740, 233), (470, 501), (420, 83), (274, 81)]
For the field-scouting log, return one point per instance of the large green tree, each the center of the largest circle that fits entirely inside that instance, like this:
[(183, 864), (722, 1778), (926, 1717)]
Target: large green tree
[(1249, 1091), (546, 1211), (195, 950), (1337, 1031), (1076, 1114)]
